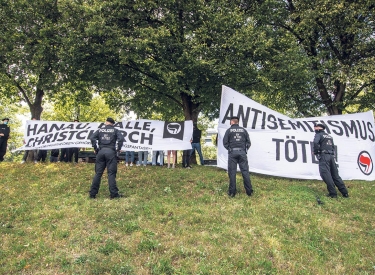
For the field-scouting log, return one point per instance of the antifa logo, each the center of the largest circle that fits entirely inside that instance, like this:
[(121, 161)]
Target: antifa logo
[(174, 130), (365, 163)]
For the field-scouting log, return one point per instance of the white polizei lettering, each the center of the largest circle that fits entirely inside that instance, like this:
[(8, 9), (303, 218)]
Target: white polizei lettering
[(107, 130), (236, 130)]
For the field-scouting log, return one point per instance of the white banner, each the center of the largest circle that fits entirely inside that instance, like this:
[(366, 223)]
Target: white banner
[(281, 146), (140, 135)]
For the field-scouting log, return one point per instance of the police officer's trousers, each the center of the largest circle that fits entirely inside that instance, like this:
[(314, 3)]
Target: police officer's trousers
[(330, 175), (3, 147), (106, 157), (239, 157)]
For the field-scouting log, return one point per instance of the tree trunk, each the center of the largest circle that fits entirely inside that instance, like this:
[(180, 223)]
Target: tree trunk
[(31, 156), (326, 99), (334, 106), (191, 112), (36, 108), (339, 96), (191, 109)]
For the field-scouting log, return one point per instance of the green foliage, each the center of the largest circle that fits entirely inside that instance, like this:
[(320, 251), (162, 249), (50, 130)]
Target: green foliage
[(337, 42), (74, 108), (209, 152), (35, 49), (14, 112), (168, 57)]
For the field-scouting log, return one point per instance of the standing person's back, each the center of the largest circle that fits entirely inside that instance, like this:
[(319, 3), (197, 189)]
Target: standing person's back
[(324, 149), (237, 141), (104, 142)]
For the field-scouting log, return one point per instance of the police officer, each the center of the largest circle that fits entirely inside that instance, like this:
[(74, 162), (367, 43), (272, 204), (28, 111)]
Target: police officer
[(106, 156), (324, 150), (237, 142), (4, 135)]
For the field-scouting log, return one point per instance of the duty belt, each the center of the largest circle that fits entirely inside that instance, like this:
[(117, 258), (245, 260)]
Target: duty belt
[(107, 147), (327, 152), (238, 149)]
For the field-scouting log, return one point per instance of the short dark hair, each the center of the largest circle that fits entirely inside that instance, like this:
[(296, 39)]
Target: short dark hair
[(110, 120), (321, 125), (235, 119)]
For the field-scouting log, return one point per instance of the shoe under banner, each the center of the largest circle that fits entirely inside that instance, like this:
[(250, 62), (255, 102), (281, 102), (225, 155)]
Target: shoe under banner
[(282, 146)]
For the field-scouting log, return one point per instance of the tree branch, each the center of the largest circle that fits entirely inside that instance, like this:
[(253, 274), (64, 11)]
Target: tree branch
[(23, 92), (136, 68), (361, 89), (329, 40), (161, 93)]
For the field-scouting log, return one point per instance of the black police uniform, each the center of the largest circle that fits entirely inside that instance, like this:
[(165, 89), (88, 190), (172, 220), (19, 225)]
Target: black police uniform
[(106, 157), (237, 142), (324, 150), (4, 129)]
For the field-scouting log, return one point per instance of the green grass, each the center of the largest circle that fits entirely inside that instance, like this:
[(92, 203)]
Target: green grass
[(179, 222)]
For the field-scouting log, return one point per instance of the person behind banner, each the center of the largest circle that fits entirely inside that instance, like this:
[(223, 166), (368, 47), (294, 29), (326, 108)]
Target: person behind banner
[(142, 158), (54, 157), (237, 141), (42, 155), (155, 155), (72, 153), (324, 150), (129, 158), (196, 143), (104, 142), (174, 157), (186, 154), (64, 155), (4, 136)]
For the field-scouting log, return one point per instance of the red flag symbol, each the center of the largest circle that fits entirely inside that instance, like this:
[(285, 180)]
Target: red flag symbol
[(365, 161)]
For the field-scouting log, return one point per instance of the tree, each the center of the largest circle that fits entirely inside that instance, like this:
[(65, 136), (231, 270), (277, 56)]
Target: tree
[(337, 38), (69, 109), (34, 58), (163, 56)]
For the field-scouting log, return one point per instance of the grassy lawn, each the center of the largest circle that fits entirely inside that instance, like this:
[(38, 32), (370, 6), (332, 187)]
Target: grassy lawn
[(179, 222)]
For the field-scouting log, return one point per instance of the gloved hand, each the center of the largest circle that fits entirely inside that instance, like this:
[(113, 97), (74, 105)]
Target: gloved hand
[(96, 149), (318, 156)]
